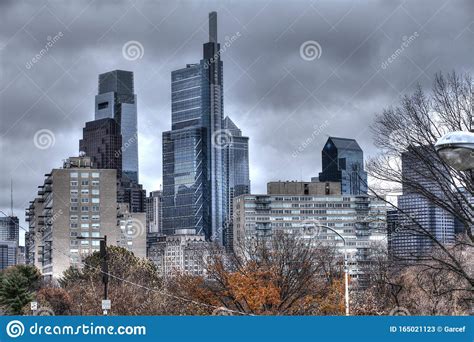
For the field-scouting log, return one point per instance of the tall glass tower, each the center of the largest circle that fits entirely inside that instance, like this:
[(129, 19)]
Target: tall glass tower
[(194, 187), (343, 161), (116, 99)]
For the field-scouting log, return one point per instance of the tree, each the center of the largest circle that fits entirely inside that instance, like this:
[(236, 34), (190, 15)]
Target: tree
[(288, 275), (415, 125), (17, 287), (56, 299), (134, 286)]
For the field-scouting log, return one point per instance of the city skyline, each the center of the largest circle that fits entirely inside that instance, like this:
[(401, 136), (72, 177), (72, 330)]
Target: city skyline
[(27, 170)]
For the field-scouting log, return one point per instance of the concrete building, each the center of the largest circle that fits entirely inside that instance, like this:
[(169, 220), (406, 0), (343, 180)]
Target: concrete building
[(74, 201), (361, 220), (304, 188), (184, 252), (154, 212), (132, 233)]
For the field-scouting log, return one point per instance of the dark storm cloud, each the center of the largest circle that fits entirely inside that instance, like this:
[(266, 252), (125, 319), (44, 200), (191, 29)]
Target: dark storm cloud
[(287, 105)]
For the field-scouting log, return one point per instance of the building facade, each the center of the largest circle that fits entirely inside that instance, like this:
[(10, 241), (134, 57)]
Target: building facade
[(8, 254), (343, 161), (194, 189), (116, 100), (74, 201), (154, 212), (304, 188), (418, 220), (183, 252), (9, 241), (361, 220)]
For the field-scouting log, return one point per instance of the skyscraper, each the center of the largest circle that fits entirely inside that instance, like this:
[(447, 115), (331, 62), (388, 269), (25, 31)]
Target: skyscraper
[(419, 220), (194, 189), (343, 161), (9, 239), (116, 100), (111, 140)]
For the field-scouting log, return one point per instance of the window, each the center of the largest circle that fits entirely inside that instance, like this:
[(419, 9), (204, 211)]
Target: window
[(95, 183), (85, 183), (84, 174), (74, 234), (95, 174), (95, 234), (84, 225), (95, 243), (84, 217), (95, 217), (73, 208), (73, 225), (85, 242), (74, 192), (73, 174), (84, 191), (95, 200), (74, 183), (95, 191), (95, 208), (95, 226), (73, 200), (84, 208), (73, 217), (102, 105), (85, 234), (84, 200)]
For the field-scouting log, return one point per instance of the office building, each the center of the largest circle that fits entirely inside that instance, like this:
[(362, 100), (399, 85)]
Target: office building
[(183, 252), (361, 220), (8, 254), (116, 100), (9, 229), (75, 201), (303, 188), (194, 189), (343, 161), (154, 213), (419, 219), (111, 140)]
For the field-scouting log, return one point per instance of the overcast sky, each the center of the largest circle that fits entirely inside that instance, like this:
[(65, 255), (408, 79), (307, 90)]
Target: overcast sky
[(286, 101)]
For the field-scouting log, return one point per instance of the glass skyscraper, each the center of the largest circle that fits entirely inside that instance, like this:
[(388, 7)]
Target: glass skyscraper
[(194, 183), (116, 99), (343, 161)]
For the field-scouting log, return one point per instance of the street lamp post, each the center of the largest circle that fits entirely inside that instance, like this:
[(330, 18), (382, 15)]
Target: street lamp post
[(457, 150), (104, 263), (346, 268)]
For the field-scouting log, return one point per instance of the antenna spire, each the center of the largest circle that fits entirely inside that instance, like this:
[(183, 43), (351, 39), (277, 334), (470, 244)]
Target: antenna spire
[(213, 27), (11, 195)]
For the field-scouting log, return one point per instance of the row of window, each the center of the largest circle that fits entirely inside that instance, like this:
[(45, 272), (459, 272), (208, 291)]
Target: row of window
[(86, 200), (74, 184), (94, 208), (85, 174)]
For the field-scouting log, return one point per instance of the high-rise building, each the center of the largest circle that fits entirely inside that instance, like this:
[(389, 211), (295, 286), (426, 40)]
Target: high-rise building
[(111, 140), (303, 188), (116, 100), (194, 189), (78, 200), (102, 142), (154, 214), (9, 241), (343, 161), (418, 219), (361, 220)]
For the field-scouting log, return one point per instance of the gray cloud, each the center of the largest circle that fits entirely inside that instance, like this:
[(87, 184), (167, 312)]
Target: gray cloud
[(278, 99)]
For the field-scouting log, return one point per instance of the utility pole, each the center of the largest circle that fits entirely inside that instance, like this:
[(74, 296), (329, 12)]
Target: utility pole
[(105, 272)]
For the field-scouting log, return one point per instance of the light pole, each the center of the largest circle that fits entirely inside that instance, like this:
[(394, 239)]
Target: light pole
[(104, 263), (346, 268)]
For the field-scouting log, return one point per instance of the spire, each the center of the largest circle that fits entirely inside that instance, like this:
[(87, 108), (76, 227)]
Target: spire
[(11, 196), (213, 27)]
